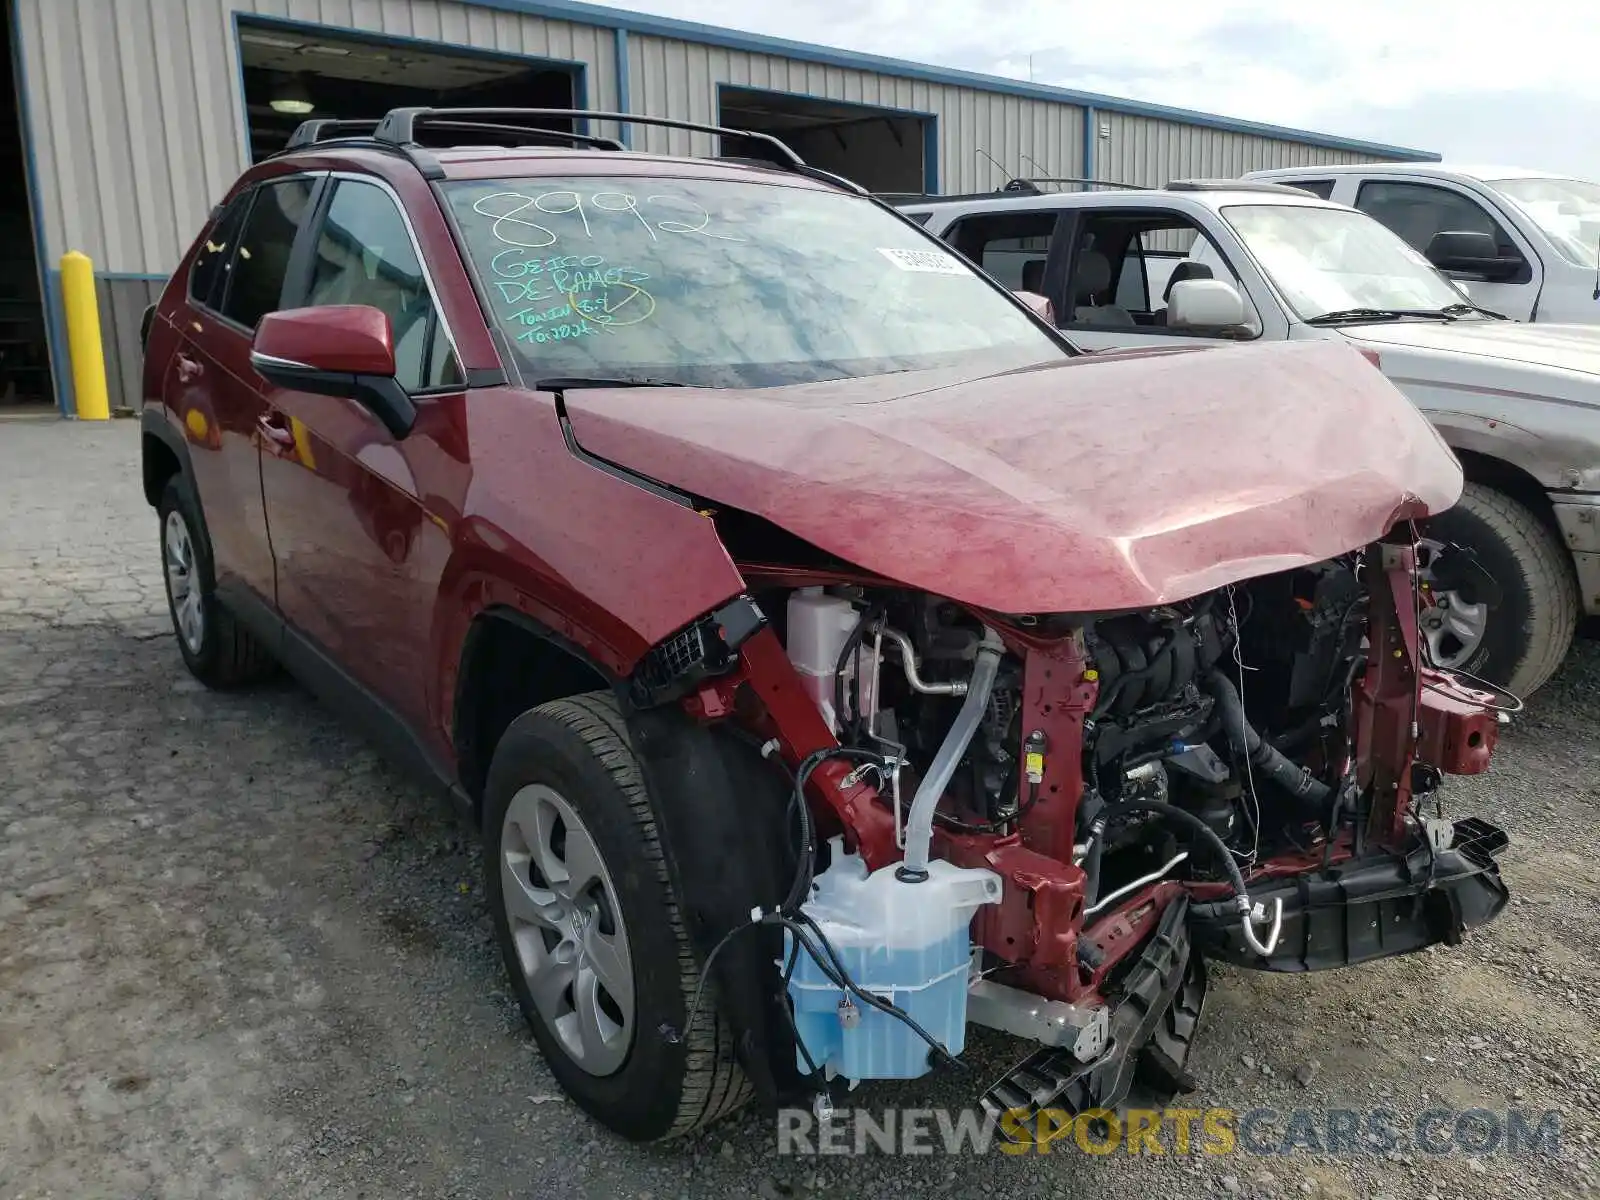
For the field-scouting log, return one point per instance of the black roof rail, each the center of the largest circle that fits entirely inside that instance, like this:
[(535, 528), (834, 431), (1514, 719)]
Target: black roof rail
[(398, 132), (1025, 187), (399, 127), (318, 132), (322, 129), (1233, 185), (1031, 183)]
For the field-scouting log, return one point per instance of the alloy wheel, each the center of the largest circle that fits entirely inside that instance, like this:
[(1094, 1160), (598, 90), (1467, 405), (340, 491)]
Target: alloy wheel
[(1454, 629), (183, 581), (566, 924)]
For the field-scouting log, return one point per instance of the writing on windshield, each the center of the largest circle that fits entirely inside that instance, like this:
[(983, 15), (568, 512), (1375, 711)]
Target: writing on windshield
[(717, 282)]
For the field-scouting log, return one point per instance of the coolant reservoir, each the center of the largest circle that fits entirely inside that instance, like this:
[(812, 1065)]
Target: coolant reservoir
[(908, 943), (819, 625)]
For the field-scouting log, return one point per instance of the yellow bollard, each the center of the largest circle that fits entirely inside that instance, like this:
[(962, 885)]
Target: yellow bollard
[(83, 337)]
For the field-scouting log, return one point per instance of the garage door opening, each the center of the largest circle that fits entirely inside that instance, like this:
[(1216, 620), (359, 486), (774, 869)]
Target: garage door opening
[(24, 350), (291, 75), (883, 149)]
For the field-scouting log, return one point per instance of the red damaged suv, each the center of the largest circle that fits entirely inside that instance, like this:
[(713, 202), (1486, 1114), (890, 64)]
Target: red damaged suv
[(831, 655)]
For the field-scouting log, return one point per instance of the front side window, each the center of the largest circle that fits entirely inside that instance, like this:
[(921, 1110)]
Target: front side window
[(1567, 210), (1418, 211), (1332, 260), (256, 272), (365, 255), (726, 284)]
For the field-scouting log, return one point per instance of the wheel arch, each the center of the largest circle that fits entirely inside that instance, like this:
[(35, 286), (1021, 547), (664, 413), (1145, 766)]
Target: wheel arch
[(162, 453), (510, 662), (1511, 480)]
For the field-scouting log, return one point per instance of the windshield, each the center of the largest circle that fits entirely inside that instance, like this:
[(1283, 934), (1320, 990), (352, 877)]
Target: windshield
[(724, 284), (1328, 260), (1568, 210)]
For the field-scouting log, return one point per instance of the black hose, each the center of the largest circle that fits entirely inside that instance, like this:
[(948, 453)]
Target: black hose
[(1264, 757), (1185, 817), (851, 643), (1091, 867)]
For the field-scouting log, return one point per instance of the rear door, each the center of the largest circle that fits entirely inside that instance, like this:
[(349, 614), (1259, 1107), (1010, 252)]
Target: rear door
[(238, 277), (359, 557)]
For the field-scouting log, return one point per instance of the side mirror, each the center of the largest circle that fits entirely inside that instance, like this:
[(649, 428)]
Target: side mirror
[(335, 350), (1204, 304), (1464, 252), (1041, 306)]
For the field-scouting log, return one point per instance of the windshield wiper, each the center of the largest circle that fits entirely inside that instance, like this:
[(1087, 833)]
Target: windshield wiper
[(567, 383), (1461, 309), (1383, 314)]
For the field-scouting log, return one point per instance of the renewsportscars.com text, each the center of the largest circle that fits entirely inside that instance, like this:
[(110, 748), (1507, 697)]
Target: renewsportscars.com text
[(1180, 1131)]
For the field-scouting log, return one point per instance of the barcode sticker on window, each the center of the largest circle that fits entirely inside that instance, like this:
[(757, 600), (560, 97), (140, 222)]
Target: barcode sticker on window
[(933, 262)]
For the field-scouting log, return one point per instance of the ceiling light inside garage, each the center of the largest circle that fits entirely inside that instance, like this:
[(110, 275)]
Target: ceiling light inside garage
[(292, 97)]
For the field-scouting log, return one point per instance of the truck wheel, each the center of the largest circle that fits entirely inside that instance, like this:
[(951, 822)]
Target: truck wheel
[(219, 652), (589, 926), (1519, 643)]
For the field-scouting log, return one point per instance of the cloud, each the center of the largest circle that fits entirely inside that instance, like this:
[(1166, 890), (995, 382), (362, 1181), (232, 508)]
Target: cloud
[(1474, 80)]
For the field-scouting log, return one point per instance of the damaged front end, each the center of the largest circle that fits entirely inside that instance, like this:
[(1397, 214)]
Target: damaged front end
[(1018, 744), (1046, 823)]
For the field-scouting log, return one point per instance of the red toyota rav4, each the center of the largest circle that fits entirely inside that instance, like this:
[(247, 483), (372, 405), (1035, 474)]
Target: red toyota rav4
[(830, 654)]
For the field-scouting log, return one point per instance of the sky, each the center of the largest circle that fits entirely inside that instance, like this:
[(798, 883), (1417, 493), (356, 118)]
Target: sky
[(1508, 83)]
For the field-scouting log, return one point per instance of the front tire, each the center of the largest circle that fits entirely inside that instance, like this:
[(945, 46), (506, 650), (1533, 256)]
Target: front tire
[(589, 926), (219, 652), (1519, 643)]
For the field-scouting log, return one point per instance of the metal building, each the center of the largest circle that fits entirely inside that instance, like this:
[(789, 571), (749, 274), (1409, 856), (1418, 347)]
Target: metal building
[(134, 117)]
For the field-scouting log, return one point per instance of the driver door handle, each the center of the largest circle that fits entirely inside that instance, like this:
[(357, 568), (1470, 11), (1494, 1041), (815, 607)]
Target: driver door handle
[(275, 428), (188, 369)]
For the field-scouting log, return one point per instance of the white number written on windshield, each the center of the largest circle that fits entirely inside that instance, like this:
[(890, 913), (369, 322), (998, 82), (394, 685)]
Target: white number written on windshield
[(533, 222)]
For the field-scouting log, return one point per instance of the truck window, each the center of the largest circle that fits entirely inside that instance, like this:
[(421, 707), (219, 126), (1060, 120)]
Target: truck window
[(1322, 189), (1417, 211)]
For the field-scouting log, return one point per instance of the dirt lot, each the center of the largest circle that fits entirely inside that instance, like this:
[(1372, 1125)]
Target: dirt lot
[(241, 957)]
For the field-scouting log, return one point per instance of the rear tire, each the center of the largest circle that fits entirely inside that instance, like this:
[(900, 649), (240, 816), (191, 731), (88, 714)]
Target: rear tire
[(573, 758), (1528, 634), (219, 651)]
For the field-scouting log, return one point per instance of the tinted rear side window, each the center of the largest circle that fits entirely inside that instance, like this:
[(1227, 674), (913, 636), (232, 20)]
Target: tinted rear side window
[(210, 263), (1322, 189), (256, 274)]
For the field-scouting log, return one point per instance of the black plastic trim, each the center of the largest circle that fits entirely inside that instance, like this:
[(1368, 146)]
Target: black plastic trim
[(1374, 907), (653, 486)]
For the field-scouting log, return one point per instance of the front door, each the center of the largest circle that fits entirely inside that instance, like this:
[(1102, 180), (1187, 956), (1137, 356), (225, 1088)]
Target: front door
[(1418, 211), (359, 556), (1119, 274)]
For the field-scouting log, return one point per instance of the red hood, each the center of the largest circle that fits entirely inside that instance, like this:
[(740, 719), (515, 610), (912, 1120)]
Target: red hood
[(1098, 483)]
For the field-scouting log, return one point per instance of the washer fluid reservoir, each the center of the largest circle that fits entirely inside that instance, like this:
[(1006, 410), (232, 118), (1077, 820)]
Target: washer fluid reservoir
[(908, 943)]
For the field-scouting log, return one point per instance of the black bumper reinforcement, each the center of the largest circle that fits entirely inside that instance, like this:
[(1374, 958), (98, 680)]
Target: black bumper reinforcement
[(1370, 908)]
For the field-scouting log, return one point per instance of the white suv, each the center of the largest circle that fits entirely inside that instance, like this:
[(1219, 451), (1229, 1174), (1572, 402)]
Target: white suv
[(1523, 243), (1221, 262)]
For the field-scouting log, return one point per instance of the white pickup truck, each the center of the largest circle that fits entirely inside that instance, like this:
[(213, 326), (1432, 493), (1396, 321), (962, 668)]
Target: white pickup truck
[(1515, 562), (1523, 243)]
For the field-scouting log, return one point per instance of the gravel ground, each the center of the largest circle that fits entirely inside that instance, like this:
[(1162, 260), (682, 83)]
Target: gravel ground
[(240, 956)]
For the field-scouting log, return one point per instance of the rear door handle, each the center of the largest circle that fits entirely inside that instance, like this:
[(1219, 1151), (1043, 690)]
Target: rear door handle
[(188, 369), (276, 430)]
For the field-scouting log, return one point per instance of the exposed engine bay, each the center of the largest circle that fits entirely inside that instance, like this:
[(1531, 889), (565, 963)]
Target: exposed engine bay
[(1046, 823)]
